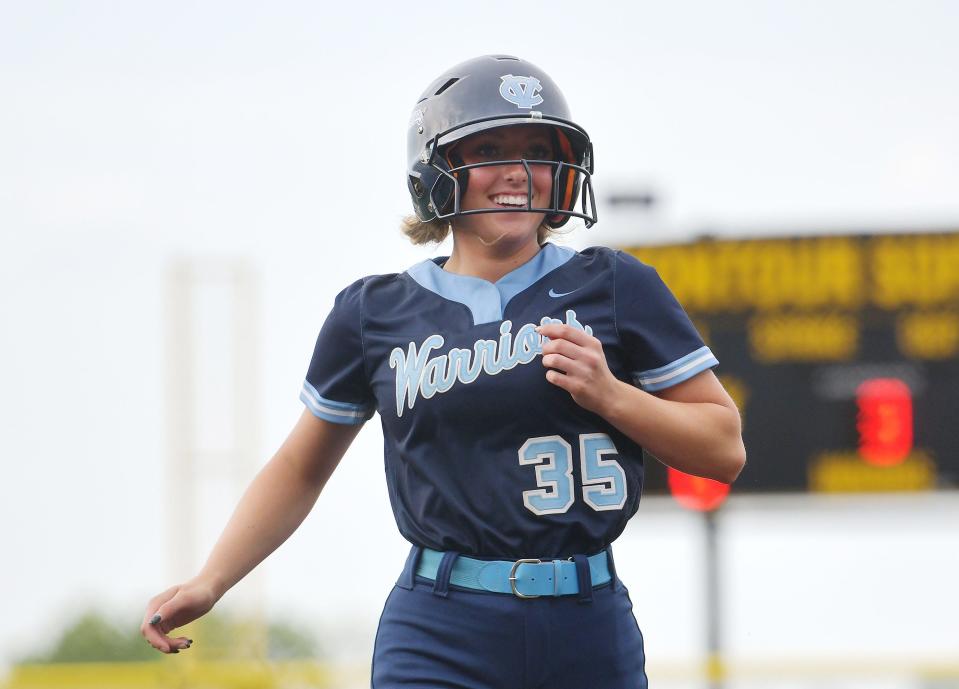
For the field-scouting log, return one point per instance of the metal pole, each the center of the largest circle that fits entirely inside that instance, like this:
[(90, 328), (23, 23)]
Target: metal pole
[(188, 462), (246, 436), (715, 671), (180, 379)]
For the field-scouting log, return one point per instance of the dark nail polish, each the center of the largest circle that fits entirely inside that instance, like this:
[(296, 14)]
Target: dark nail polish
[(155, 619)]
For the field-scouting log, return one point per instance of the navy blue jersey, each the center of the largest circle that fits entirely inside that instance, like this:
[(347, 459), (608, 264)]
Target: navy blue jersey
[(483, 455)]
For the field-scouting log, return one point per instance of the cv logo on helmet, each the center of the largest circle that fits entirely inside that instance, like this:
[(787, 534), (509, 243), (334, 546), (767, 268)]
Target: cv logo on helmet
[(521, 91)]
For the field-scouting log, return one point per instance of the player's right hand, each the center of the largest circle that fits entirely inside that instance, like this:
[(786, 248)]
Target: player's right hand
[(175, 607)]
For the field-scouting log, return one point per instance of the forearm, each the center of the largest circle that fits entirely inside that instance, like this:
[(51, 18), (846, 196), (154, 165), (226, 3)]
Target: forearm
[(699, 438), (273, 506), (278, 500)]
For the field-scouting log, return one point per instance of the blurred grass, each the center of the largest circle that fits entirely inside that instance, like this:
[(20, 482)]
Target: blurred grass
[(169, 672), (93, 637), (230, 652)]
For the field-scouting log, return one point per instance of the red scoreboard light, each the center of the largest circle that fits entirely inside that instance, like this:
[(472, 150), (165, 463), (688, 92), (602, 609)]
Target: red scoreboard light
[(696, 493), (884, 421)]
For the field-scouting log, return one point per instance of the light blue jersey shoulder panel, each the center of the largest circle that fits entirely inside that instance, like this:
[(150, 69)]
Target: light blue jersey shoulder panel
[(487, 300)]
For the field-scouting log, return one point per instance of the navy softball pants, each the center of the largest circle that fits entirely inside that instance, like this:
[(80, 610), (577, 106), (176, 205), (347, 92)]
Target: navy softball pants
[(432, 636)]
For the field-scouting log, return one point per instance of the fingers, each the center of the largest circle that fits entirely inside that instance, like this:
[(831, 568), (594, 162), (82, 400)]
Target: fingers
[(181, 643), (564, 347), (157, 601), (160, 619), (575, 362), (156, 638), (175, 607), (149, 629), (566, 332), (563, 364), (160, 641), (164, 619), (584, 361), (560, 380)]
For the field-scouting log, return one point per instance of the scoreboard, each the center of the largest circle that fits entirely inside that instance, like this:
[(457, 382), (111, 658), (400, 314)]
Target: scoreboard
[(842, 353)]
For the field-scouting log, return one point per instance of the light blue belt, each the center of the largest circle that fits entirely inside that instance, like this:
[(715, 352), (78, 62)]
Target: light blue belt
[(524, 578)]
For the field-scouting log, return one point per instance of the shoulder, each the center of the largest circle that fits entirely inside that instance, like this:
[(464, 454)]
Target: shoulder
[(597, 253), (594, 258), (629, 264), (373, 282), (627, 270), (619, 271), (381, 293), (617, 258), (373, 286)]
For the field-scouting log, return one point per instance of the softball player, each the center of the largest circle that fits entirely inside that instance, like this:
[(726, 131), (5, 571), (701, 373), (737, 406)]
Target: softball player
[(517, 383)]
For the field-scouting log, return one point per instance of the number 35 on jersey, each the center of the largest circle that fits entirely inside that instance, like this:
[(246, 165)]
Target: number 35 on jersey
[(604, 481)]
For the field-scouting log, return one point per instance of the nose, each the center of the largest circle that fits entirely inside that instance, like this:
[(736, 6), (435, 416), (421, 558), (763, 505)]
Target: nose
[(515, 172)]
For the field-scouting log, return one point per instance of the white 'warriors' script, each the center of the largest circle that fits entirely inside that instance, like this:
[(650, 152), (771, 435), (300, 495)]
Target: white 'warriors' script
[(417, 374)]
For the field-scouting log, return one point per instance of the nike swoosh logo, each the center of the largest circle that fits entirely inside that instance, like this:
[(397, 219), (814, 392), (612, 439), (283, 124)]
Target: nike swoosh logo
[(554, 293)]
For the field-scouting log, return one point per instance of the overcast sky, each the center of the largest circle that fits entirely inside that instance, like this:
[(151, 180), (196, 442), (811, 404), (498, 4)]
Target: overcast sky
[(135, 133)]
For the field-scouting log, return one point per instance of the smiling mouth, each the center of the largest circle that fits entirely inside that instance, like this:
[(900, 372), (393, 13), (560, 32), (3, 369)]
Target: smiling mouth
[(510, 200)]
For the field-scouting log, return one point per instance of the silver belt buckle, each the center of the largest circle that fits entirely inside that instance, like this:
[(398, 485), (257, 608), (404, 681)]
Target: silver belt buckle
[(512, 576)]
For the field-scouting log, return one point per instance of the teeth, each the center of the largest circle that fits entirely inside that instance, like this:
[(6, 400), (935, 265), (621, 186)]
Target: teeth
[(510, 200)]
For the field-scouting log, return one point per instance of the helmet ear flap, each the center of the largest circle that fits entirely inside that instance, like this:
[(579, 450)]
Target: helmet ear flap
[(441, 195), (431, 189), (418, 182), (415, 187)]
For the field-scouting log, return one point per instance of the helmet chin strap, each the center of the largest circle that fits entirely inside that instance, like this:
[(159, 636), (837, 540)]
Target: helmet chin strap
[(492, 243), (485, 242)]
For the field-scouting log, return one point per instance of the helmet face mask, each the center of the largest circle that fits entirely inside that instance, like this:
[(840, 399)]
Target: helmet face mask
[(449, 202), (480, 95)]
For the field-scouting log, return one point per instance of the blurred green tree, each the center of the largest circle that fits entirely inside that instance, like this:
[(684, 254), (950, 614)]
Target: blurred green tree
[(93, 637)]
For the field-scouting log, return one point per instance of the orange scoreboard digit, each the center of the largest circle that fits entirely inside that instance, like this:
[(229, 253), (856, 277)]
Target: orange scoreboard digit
[(842, 352)]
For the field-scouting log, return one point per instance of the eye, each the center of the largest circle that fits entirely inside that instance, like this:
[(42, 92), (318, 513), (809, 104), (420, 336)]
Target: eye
[(487, 151), (539, 152)]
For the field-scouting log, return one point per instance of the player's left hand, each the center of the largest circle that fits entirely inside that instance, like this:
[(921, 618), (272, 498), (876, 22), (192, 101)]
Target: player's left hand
[(578, 366)]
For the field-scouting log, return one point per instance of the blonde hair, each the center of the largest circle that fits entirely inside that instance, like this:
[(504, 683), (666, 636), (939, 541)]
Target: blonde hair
[(437, 230)]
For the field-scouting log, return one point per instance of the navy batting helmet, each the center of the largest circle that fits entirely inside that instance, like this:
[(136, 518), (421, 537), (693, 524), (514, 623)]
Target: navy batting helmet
[(485, 93)]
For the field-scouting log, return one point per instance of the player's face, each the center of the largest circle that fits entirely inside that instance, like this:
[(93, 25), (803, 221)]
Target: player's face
[(505, 186)]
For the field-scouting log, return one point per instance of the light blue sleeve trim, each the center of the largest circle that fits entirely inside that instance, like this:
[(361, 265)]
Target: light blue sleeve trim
[(676, 372), (336, 412)]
